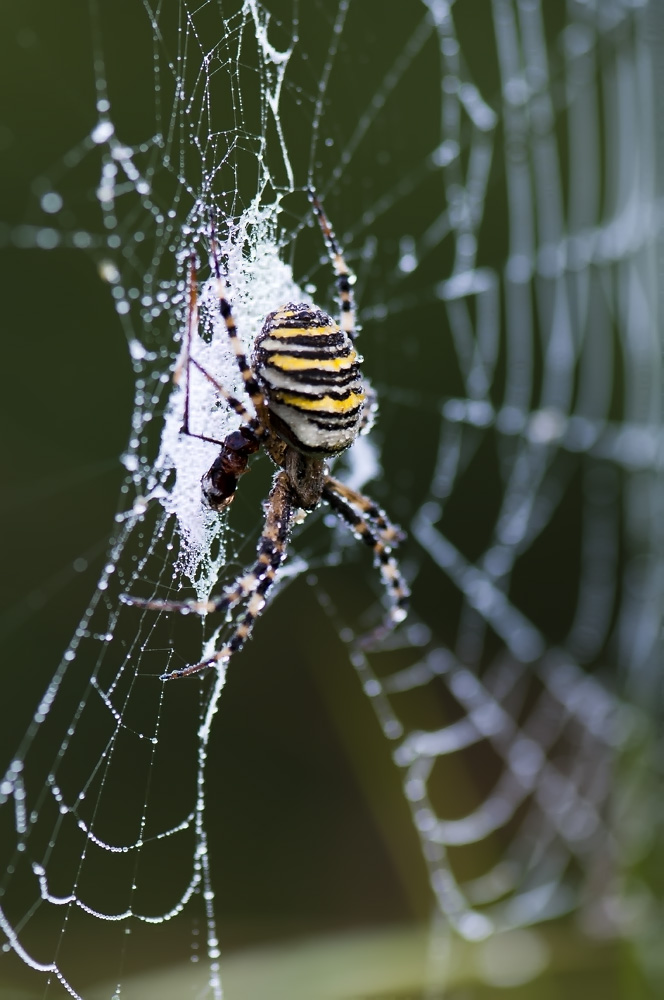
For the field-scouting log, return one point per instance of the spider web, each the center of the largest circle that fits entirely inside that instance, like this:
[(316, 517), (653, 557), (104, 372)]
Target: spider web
[(505, 234)]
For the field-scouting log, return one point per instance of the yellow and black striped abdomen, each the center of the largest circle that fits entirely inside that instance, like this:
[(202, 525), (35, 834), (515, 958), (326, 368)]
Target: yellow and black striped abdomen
[(310, 374)]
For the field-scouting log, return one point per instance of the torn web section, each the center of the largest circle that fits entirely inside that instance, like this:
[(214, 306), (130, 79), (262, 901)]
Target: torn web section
[(255, 280)]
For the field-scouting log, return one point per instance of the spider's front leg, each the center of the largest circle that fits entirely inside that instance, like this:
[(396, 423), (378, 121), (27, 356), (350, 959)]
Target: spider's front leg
[(221, 480), (344, 276)]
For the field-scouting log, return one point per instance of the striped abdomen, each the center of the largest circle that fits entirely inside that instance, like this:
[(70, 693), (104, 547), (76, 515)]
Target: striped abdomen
[(309, 372)]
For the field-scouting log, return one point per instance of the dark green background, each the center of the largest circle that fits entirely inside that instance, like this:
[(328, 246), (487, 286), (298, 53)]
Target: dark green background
[(311, 757)]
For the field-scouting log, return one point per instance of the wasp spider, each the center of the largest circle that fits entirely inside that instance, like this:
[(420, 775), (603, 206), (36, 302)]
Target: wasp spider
[(304, 383)]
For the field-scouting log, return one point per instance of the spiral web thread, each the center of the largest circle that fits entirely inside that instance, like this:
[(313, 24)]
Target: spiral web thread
[(556, 353)]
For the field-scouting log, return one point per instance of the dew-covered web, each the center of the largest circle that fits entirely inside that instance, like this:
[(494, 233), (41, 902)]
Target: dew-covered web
[(490, 170)]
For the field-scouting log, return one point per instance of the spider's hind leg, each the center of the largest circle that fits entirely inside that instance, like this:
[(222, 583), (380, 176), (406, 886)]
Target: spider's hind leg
[(369, 523), (255, 584), (218, 485)]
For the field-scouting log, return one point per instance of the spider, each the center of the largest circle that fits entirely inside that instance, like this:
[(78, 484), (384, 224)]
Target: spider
[(304, 383)]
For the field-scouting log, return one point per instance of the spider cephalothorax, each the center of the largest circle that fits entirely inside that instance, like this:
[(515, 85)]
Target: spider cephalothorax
[(305, 385)]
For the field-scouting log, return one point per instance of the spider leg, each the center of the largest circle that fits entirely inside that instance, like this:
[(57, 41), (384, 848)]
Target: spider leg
[(255, 584), (369, 523), (250, 384), (369, 413), (345, 277), (390, 534), (192, 324), (188, 360), (234, 404), (240, 589), (271, 549)]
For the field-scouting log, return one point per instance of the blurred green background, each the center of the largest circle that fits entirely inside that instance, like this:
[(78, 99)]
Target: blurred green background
[(310, 833)]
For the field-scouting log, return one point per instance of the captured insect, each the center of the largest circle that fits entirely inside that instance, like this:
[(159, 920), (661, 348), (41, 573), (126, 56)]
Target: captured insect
[(305, 386)]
